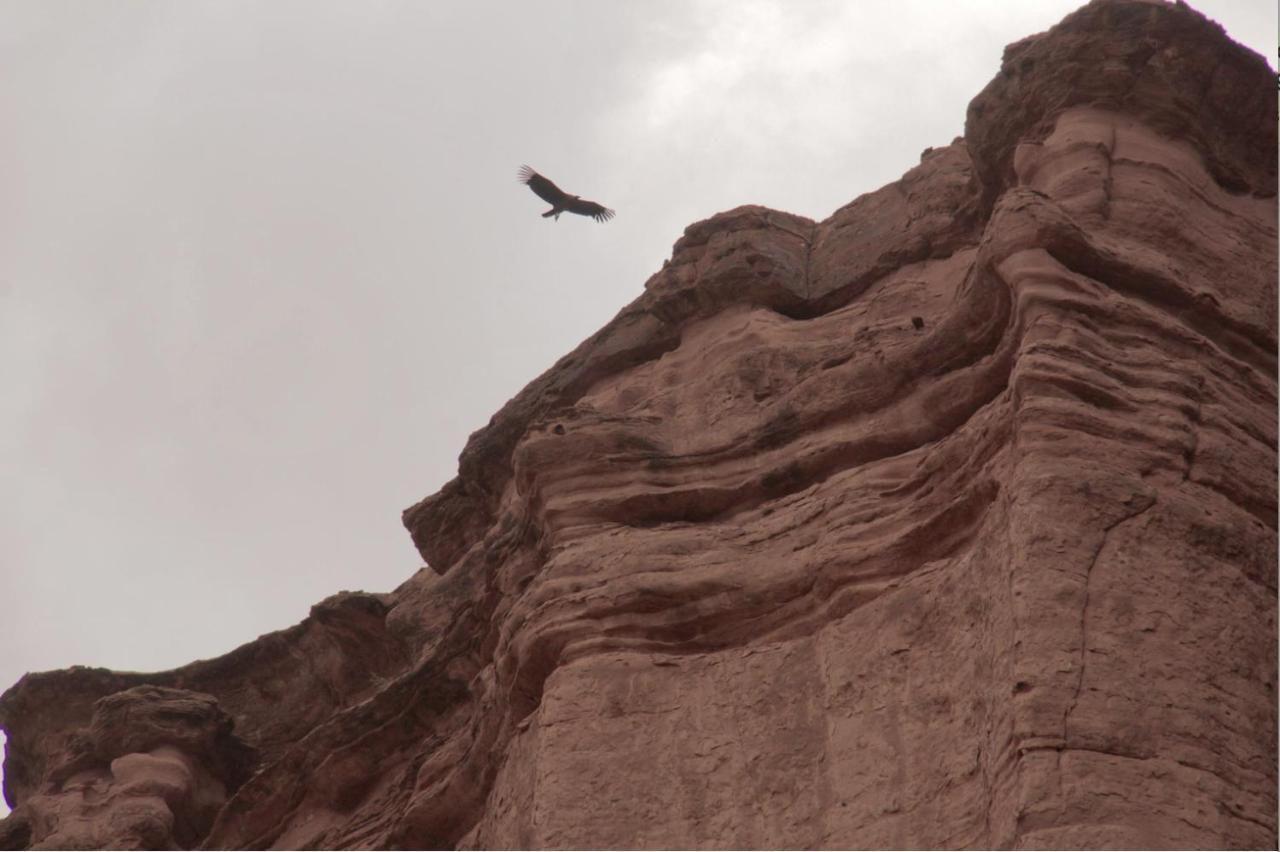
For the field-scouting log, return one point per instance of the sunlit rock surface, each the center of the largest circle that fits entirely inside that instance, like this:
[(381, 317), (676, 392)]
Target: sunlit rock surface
[(949, 521)]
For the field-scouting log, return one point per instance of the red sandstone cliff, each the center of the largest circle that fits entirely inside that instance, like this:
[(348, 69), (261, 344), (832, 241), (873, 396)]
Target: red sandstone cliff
[(764, 564)]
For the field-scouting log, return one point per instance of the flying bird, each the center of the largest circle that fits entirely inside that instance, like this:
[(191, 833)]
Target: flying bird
[(561, 201)]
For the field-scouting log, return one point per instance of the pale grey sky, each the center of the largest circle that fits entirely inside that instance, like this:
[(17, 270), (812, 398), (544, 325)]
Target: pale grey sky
[(264, 266)]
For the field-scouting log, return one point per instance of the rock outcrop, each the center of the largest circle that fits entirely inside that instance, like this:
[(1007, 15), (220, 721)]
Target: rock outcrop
[(949, 521), (151, 771)]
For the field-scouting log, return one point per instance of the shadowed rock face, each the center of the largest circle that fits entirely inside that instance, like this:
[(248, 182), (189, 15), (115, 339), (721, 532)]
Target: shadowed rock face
[(767, 562), (151, 771)]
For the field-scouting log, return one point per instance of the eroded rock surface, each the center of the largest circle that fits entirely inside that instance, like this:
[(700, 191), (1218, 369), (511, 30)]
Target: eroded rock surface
[(949, 521), (151, 771), (128, 760)]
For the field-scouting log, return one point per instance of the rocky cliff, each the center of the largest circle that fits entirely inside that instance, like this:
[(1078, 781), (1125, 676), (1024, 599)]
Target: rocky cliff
[(949, 521)]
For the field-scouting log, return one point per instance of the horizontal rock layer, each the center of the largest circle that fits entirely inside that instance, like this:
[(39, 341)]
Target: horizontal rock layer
[(948, 521)]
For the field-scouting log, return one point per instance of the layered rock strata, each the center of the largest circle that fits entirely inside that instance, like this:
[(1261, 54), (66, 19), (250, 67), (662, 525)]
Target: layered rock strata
[(949, 521)]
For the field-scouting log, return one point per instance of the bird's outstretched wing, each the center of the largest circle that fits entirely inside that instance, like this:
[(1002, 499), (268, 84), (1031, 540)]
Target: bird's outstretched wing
[(589, 208), (543, 188)]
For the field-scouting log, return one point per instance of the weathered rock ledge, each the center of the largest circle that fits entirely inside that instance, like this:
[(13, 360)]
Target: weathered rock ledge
[(949, 521)]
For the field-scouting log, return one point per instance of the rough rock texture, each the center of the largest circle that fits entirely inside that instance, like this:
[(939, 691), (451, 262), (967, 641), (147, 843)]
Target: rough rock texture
[(949, 521), (151, 771), (126, 760)]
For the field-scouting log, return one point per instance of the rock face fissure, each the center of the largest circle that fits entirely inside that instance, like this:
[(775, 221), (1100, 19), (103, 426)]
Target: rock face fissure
[(948, 521)]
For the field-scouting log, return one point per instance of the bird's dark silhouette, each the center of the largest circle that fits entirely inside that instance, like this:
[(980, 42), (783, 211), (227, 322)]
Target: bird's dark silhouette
[(561, 201)]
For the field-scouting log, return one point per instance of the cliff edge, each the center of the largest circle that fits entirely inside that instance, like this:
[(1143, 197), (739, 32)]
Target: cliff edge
[(949, 521)]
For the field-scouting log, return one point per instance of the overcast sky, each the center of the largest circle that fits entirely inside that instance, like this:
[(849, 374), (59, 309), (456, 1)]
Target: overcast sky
[(264, 266)]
